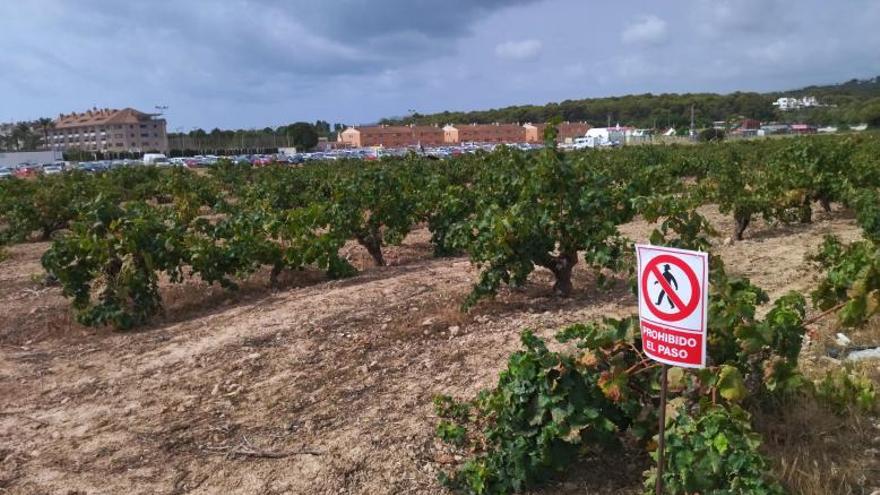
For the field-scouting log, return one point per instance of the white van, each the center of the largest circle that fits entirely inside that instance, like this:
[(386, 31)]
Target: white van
[(152, 158)]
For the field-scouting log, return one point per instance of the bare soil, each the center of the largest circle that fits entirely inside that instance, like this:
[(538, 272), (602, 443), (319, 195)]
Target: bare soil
[(319, 387)]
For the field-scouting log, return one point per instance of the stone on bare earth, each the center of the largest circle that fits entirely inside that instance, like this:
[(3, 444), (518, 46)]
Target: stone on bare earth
[(864, 355)]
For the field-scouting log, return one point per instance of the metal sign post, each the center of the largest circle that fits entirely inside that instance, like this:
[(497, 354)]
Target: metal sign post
[(661, 443)]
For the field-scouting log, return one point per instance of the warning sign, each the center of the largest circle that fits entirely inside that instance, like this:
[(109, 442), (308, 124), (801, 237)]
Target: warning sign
[(673, 297)]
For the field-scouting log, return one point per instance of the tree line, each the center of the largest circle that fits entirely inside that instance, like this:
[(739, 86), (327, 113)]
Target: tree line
[(303, 136), (850, 103)]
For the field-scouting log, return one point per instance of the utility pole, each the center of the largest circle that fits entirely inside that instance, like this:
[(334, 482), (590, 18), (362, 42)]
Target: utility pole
[(693, 126)]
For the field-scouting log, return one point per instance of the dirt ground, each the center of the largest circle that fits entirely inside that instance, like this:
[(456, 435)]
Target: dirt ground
[(328, 382)]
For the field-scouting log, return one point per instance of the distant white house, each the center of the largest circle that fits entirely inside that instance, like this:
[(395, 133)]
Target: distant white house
[(786, 103), (598, 137)]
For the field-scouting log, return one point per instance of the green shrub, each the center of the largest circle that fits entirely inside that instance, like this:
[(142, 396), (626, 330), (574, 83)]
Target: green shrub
[(714, 452), (541, 415)]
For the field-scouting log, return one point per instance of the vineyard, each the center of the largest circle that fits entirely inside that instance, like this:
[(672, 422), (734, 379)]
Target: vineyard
[(341, 326)]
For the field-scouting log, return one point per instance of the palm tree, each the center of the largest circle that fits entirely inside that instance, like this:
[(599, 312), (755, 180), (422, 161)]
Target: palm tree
[(21, 136), (45, 125)]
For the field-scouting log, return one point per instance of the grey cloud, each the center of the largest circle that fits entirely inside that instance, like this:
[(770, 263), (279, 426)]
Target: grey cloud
[(519, 50), (647, 30), (356, 20), (295, 37)]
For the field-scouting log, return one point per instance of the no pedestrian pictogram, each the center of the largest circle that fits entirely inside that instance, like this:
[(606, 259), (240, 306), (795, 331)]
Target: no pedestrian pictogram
[(679, 309)]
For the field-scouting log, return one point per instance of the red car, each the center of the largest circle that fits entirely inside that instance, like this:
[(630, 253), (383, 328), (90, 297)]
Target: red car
[(261, 161), (27, 171)]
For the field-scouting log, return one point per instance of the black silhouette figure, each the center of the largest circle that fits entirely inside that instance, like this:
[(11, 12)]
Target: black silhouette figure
[(670, 278)]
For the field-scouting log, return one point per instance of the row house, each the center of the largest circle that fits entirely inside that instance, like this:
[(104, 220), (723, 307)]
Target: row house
[(432, 136), (391, 136), (567, 132), (485, 133)]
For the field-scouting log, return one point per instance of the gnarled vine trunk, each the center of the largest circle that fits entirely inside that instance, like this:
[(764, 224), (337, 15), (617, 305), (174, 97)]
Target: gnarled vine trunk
[(372, 241), (742, 220), (562, 266), (805, 213)]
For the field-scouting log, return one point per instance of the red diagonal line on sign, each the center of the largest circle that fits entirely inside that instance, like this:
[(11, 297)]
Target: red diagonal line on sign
[(669, 292)]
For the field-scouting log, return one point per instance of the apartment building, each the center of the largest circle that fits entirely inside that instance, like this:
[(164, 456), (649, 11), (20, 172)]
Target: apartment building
[(109, 130), (391, 136)]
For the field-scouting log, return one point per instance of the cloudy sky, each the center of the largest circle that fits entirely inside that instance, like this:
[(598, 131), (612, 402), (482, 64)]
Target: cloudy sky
[(253, 63)]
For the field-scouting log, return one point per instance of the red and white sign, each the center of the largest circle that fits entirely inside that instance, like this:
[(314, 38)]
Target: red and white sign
[(673, 298)]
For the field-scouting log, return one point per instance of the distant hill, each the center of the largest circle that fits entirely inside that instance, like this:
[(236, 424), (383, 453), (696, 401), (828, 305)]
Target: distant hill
[(863, 88), (855, 101)]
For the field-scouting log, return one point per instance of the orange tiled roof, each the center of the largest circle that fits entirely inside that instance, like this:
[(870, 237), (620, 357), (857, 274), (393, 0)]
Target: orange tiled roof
[(100, 116), (481, 127), (396, 129)]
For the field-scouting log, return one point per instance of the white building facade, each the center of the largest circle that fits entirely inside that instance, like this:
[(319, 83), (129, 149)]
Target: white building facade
[(786, 103)]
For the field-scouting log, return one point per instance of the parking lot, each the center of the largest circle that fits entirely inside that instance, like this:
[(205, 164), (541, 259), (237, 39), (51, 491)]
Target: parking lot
[(26, 170)]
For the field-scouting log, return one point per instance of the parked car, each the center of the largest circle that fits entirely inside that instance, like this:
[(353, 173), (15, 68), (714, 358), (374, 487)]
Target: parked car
[(5, 173), (152, 158), (261, 161), (242, 160), (52, 169), (24, 171), (209, 160)]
